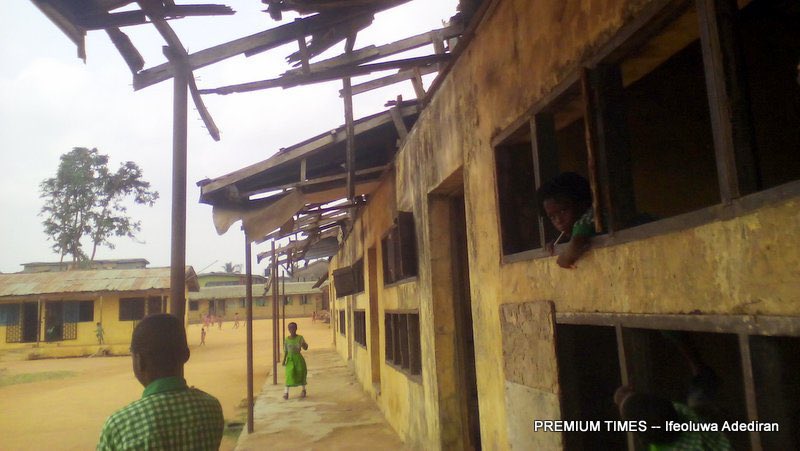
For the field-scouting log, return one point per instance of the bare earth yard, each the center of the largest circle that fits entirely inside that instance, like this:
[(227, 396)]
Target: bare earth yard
[(61, 404)]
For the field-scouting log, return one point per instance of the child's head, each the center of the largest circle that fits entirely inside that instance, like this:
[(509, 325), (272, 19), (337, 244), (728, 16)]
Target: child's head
[(564, 199), (292, 327)]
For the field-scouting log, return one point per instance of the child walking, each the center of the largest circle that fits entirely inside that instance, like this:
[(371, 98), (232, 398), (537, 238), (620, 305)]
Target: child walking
[(294, 362)]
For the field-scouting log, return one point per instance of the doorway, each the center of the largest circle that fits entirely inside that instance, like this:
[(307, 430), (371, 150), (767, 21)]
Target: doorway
[(374, 319), (30, 322), (53, 321), (462, 306), (452, 316)]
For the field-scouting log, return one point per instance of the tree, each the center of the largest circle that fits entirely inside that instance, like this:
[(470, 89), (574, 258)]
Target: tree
[(230, 268), (85, 199)]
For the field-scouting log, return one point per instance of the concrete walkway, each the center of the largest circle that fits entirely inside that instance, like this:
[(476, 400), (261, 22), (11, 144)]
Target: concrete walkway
[(336, 414)]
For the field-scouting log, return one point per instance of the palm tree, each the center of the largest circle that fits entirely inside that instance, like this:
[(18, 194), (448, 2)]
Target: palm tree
[(230, 268)]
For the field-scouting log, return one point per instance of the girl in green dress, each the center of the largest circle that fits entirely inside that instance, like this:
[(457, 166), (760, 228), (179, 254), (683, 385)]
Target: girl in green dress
[(294, 362)]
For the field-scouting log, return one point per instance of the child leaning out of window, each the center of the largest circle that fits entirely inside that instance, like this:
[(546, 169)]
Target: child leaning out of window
[(567, 202)]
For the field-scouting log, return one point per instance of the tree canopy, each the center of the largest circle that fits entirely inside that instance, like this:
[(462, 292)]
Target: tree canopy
[(230, 268), (86, 200)]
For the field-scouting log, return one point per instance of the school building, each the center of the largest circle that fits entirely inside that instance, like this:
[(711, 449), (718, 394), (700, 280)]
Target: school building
[(299, 299), (55, 314), (458, 322), (684, 115)]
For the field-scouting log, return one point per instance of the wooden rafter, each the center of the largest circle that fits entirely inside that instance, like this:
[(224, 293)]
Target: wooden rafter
[(371, 52), (329, 74), (268, 39), (178, 55), (389, 80), (317, 181)]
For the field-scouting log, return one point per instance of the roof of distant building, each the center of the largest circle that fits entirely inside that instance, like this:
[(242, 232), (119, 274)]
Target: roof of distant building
[(240, 291), (90, 281)]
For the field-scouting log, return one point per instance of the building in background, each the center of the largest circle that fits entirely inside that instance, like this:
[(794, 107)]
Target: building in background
[(55, 314), (125, 263)]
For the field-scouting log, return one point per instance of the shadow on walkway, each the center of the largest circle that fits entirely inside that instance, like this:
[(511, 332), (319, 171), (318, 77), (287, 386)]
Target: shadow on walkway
[(336, 414)]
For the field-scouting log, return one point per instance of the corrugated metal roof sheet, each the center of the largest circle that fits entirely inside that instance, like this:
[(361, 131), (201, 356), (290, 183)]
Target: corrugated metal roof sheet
[(90, 281), (239, 291)]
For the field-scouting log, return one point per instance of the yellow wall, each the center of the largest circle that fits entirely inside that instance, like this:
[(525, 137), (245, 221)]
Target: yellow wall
[(232, 306), (117, 334), (745, 265)]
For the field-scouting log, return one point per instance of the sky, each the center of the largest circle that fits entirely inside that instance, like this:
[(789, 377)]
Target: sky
[(51, 101)]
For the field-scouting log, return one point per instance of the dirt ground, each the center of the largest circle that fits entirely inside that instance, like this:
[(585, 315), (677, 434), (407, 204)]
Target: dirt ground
[(68, 413)]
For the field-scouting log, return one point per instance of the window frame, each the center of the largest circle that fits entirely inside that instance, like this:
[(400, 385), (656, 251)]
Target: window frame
[(130, 314), (399, 254), (737, 198), (403, 343), (743, 326), (360, 328)]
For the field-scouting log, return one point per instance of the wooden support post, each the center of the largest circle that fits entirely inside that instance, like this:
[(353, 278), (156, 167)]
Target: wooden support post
[(399, 125), (419, 89), (607, 130), (749, 388), (179, 145), (303, 169), (590, 133), (351, 141), (274, 286), (248, 255), (283, 312), (437, 38), (623, 373), (731, 123), (301, 41), (545, 159)]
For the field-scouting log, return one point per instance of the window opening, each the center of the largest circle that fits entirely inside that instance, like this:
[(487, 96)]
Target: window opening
[(589, 374), (131, 309), (360, 327), (654, 127), (403, 342), (399, 248), (770, 39)]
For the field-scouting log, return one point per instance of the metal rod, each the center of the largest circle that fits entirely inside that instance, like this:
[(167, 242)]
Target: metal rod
[(179, 140), (274, 316), (248, 255)]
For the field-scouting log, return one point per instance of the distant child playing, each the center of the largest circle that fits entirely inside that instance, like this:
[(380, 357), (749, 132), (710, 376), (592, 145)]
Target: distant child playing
[(567, 202), (294, 362), (202, 336)]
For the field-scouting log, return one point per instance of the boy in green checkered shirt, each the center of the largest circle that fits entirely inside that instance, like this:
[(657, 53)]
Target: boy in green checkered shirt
[(169, 415)]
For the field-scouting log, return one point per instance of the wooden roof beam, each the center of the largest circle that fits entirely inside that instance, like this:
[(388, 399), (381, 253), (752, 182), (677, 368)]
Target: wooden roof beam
[(179, 56), (295, 152), (125, 48), (317, 181), (371, 52), (389, 80), (271, 38), (328, 75)]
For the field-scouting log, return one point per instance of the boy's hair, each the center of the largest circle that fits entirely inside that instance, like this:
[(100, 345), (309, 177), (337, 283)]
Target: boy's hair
[(161, 339), (567, 185)]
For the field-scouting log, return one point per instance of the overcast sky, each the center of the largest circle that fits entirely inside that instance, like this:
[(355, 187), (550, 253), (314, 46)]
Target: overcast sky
[(50, 102)]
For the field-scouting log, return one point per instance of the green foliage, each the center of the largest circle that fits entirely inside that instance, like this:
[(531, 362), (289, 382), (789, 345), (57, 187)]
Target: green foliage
[(230, 268), (85, 199)]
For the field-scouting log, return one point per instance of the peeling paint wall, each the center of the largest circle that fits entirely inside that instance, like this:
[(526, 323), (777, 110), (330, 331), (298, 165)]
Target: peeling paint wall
[(749, 264)]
